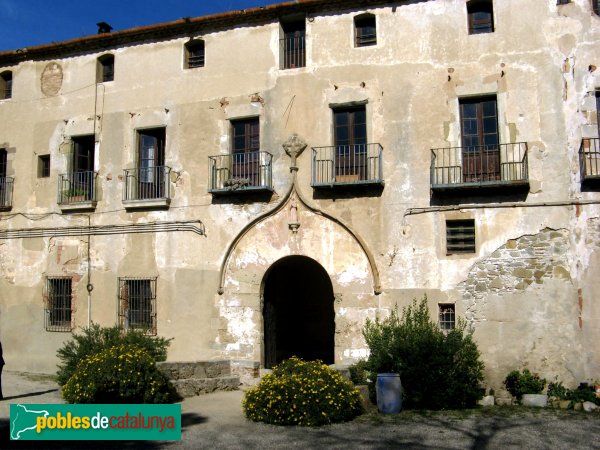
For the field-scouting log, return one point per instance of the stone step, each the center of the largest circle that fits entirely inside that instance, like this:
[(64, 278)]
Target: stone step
[(191, 387), (195, 369)]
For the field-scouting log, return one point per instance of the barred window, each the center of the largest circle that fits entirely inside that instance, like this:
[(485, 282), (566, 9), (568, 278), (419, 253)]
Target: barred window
[(447, 316), (58, 304), (460, 236), (137, 304), (194, 54), (365, 30)]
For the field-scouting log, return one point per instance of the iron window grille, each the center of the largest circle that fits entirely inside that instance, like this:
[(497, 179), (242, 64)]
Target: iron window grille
[(195, 55), (460, 236), (447, 317), (58, 300), (137, 304)]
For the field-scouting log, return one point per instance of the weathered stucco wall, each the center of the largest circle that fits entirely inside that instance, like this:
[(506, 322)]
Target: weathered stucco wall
[(529, 288)]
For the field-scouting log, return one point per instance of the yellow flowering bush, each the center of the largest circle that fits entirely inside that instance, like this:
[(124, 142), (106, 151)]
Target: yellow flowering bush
[(118, 374), (306, 393)]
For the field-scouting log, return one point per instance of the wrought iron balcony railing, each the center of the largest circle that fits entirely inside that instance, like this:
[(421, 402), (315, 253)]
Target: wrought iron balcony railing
[(147, 183), (589, 159), (6, 193), (77, 187), (347, 165), (293, 51), (251, 171), (479, 166)]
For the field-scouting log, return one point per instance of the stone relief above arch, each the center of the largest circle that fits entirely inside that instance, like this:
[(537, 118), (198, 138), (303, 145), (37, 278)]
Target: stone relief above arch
[(295, 227)]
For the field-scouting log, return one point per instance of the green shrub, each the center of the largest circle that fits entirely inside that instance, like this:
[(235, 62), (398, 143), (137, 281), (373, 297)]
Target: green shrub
[(583, 393), (557, 390), (94, 339), (359, 373), (519, 383), (120, 374), (438, 370), (306, 393)]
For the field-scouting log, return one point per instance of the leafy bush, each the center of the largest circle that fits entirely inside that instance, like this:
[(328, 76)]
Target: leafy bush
[(119, 374), (557, 390), (306, 393), (438, 370), (94, 339), (519, 383), (359, 373), (583, 393)]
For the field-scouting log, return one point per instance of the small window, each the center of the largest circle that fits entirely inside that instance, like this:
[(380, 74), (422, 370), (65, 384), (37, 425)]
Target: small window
[(137, 304), (43, 166), (595, 7), (562, 2), (447, 316), (365, 31), (293, 44), (460, 236), (106, 68), (194, 54), (58, 304), (481, 16), (6, 85)]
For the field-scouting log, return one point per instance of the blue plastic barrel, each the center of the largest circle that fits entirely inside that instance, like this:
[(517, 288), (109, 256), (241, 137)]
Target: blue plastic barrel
[(389, 393)]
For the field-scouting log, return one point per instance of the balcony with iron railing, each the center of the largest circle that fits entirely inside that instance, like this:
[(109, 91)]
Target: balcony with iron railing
[(589, 160), (77, 190), (482, 166), (147, 187), (293, 51), (240, 172), (347, 165), (6, 193)]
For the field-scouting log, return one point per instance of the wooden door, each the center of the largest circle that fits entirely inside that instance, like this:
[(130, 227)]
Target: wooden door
[(480, 144), (246, 151), (350, 137)]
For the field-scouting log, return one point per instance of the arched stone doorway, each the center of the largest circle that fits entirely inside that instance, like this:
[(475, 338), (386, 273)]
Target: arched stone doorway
[(298, 313)]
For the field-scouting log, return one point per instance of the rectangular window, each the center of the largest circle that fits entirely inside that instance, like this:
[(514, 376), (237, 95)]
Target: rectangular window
[(43, 168), (350, 140), (365, 30), (137, 304), (293, 44), (460, 236), (151, 162), (106, 68), (595, 7), (446, 316), (58, 304), (3, 162), (480, 149), (246, 150), (194, 54), (481, 16), (562, 2), (6, 82)]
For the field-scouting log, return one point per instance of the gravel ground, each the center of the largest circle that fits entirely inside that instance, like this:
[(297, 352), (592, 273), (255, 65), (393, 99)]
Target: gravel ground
[(216, 421)]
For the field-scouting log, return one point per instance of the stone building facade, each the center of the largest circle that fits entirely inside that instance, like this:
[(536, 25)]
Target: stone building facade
[(258, 183)]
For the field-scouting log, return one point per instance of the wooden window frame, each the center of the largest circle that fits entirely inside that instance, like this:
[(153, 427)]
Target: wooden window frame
[(6, 85), (106, 68), (363, 23), (43, 166), (480, 26)]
